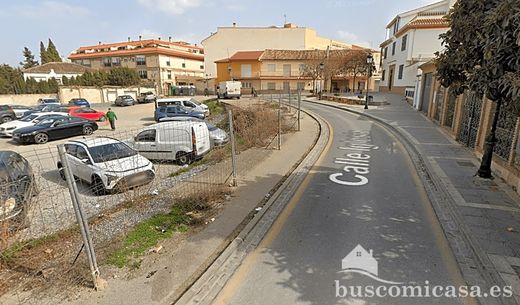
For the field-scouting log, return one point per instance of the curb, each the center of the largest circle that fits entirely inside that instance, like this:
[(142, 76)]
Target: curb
[(476, 269), (214, 278)]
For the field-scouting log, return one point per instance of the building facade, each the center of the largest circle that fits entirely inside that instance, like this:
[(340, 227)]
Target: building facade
[(226, 41), (56, 70), (412, 38), (288, 70), (165, 63)]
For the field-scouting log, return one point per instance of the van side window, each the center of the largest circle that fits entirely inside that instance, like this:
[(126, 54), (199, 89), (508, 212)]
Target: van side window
[(146, 136)]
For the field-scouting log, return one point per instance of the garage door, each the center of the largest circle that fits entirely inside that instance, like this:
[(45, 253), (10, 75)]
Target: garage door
[(132, 94), (111, 96)]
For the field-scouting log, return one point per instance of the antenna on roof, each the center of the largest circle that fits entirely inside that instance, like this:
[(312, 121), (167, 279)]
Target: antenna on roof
[(284, 19)]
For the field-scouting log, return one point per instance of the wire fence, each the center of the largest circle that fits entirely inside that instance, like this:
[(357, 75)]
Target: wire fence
[(59, 213)]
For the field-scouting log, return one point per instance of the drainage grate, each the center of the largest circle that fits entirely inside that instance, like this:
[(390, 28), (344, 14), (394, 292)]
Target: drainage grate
[(465, 163)]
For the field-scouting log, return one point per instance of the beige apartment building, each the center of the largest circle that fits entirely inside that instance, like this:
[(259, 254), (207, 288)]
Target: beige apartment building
[(284, 70), (165, 63), (226, 41)]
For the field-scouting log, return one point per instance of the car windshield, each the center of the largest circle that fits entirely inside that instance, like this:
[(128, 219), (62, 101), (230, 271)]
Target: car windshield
[(109, 152), (28, 118)]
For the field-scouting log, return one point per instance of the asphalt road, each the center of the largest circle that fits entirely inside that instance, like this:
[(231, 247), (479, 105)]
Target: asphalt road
[(383, 209)]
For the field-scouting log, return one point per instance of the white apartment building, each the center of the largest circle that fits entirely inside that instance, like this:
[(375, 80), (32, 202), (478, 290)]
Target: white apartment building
[(229, 40), (412, 38)]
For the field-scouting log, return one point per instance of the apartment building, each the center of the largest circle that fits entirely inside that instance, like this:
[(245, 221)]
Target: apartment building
[(412, 38), (284, 70), (165, 63), (226, 41)]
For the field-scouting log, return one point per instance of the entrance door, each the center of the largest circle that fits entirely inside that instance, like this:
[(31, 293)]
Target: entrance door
[(425, 97), (391, 78)]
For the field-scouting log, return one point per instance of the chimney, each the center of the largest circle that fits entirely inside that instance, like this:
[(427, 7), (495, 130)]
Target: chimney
[(129, 39), (159, 38), (370, 252), (234, 24), (140, 37), (170, 39)]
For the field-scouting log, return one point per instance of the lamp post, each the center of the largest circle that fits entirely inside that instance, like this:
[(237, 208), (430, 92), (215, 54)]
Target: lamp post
[(229, 72), (370, 60), (322, 67)]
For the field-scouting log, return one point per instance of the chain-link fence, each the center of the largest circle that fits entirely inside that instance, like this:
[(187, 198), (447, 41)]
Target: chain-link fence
[(54, 230)]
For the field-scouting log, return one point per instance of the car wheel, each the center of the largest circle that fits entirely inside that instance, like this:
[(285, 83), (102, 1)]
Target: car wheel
[(183, 158), (6, 119), (41, 138), (97, 186), (87, 130), (103, 118)]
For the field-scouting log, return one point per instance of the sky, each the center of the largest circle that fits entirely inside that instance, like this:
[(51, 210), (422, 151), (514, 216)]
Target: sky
[(74, 23)]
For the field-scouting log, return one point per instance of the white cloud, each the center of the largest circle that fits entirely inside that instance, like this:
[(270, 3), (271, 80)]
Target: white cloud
[(352, 38), (53, 9), (171, 7)]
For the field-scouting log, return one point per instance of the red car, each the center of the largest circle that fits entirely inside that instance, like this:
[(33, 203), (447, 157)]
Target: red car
[(87, 113)]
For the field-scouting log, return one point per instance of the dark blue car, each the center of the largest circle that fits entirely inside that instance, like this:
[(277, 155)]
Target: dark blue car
[(80, 102), (176, 111)]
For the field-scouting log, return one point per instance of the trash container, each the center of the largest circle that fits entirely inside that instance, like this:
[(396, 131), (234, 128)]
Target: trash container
[(370, 98)]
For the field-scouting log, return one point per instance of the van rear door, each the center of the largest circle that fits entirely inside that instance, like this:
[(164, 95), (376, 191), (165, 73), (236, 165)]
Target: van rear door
[(201, 138)]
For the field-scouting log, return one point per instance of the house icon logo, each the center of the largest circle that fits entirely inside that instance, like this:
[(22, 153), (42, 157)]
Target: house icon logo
[(363, 262)]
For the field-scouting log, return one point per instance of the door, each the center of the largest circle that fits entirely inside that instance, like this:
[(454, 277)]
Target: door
[(145, 143), (391, 78), (202, 142), (426, 90), (60, 129), (79, 161)]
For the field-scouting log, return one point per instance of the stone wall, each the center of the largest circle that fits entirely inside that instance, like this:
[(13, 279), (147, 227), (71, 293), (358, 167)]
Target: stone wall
[(22, 99)]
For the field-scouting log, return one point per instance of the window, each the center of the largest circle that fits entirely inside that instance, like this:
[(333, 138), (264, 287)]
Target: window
[(400, 72), (143, 74), (385, 53), (393, 48), (245, 70), (287, 70), (286, 86), (168, 63), (271, 86), (140, 60), (246, 85), (301, 68), (169, 74), (383, 75), (81, 153), (300, 85), (358, 253), (271, 67), (107, 62), (184, 65), (116, 61), (146, 136), (403, 42), (201, 67)]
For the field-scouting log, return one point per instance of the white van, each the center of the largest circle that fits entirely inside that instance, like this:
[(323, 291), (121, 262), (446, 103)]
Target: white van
[(229, 89), (186, 102), (182, 142)]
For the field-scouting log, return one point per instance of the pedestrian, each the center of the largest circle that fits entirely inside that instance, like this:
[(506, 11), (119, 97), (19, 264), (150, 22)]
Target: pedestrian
[(112, 117)]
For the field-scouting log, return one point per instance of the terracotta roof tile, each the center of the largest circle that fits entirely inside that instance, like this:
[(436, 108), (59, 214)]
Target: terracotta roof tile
[(59, 67)]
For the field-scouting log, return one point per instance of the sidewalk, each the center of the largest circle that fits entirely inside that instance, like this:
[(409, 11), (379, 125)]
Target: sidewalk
[(164, 276), (480, 217)]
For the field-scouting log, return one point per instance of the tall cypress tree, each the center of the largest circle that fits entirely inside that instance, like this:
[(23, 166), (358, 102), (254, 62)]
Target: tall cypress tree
[(29, 60), (52, 52), (44, 57)]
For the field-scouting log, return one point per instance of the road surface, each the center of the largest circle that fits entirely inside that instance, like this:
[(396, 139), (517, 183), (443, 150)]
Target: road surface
[(363, 191)]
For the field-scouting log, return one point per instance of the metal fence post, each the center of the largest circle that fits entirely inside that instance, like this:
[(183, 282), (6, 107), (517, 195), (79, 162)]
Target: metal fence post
[(299, 108), (280, 122), (233, 149), (80, 216), (290, 102)]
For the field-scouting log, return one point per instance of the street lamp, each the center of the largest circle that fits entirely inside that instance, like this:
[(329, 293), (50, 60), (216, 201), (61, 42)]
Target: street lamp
[(370, 61), (322, 67), (229, 72)]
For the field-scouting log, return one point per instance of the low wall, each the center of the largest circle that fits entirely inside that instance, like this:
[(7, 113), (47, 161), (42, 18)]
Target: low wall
[(349, 100), (99, 95), (23, 99)]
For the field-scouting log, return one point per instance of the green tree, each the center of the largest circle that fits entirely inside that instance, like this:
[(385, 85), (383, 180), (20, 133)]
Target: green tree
[(29, 60), (482, 54), (52, 52), (122, 76), (44, 57)]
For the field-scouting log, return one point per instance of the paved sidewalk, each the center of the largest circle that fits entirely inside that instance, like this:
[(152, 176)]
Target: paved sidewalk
[(481, 217), (164, 276)]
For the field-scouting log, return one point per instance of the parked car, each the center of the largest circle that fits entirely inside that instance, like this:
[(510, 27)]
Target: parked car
[(176, 110), (6, 114), (229, 89), (54, 128), (182, 142), (81, 102), (146, 97), (107, 164), (187, 102), (217, 136), (87, 113), (7, 129), (124, 100), (17, 187), (19, 110), (43, 108), (48, 100)]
